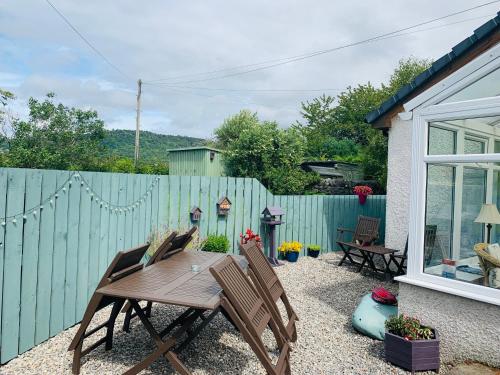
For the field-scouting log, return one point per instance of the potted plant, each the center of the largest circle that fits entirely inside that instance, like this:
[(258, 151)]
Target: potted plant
[(249, 235), (410, 345), (291, 250), (362, 191), (313, 250)]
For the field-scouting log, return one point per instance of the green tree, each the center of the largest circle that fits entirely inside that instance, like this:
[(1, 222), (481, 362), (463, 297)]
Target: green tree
[(334, 126), (5, 97), (56, 137), (264, 151), (233, 126)]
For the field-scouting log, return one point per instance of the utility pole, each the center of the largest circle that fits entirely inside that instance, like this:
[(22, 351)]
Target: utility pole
[(138, 121)]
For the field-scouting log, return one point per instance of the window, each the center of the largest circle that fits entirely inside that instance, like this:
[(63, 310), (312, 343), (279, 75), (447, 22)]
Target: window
[(484, 87), (455, 193), (455, 175)]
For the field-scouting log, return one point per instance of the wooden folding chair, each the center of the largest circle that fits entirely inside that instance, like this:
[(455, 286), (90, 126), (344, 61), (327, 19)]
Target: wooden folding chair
[(122, 265), (270, 288), (365, 234), (165, 246), (173, 244), (249, 313)]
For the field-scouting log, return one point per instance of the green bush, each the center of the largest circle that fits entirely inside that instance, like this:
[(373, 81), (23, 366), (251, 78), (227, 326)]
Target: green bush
[(314, 247), (216, 244)]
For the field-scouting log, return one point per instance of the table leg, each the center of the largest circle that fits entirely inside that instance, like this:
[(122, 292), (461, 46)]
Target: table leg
[(198, 329), (387, 271), (166, 348), (365, 259)]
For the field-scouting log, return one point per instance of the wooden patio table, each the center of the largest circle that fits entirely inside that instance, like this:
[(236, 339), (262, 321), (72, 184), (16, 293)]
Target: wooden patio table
[(173, 282), (369, 252)]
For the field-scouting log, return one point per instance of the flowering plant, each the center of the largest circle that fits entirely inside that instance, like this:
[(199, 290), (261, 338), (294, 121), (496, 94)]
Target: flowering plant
[(362, 190), (251, 236), (290, 247), (409, 328)]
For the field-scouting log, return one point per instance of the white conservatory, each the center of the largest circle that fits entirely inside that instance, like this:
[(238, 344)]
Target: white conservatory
[(443, 195)]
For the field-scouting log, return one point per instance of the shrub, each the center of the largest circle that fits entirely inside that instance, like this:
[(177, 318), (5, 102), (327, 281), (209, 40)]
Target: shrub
[(314, 247), (216, 244), (409, 328)]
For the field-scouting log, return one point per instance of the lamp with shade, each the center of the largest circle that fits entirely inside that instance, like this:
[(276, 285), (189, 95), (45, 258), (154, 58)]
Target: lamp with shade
[(488, 215)]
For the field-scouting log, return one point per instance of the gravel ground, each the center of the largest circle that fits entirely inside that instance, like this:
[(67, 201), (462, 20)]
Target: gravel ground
[(323, 295)]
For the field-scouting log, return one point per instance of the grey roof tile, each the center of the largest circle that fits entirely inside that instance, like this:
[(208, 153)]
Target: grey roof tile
[(460, 49)]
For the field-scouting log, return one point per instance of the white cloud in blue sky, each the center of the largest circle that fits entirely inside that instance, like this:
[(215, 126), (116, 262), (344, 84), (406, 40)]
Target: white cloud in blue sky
[(158, 38)]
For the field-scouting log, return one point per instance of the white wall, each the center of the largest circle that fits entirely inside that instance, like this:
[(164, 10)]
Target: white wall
[(398, 183)]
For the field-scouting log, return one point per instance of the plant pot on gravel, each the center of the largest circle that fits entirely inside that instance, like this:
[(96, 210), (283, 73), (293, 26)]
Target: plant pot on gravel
[(313, 250), (410, 345), (292, 256), (291, 249)]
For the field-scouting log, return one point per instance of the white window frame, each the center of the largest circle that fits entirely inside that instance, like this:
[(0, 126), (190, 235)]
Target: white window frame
[(421, 118)]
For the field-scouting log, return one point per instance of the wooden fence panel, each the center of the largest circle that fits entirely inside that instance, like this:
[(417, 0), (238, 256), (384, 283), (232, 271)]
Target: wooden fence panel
[(12, 264), (30, 264), (51, 260), (45, 250)]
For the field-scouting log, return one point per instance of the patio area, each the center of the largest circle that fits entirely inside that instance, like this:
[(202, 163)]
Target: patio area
[(323, 294)]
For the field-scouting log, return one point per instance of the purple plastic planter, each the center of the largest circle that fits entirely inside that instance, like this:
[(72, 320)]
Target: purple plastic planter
[(412, 355)]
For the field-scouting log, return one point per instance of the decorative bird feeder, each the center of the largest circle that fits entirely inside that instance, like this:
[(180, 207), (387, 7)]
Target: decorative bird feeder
[(271, 217), (223, 206), (195, 213)]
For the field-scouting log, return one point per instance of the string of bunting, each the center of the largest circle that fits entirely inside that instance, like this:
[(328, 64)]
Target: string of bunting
[(77, 179)]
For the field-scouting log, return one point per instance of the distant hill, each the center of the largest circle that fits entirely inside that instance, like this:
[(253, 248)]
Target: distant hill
[(153, 146)]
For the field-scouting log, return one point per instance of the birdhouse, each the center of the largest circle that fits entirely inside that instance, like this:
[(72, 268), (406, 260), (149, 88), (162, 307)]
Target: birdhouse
[(272, 215), (195, 213), (223, 206)]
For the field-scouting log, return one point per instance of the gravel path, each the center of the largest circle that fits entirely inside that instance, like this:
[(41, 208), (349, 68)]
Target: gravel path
[(323, 295)]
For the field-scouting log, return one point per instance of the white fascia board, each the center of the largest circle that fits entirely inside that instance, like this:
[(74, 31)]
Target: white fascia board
[(469, 73)]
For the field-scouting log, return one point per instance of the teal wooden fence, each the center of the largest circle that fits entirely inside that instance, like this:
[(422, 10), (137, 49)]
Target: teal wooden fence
[(60, 229)]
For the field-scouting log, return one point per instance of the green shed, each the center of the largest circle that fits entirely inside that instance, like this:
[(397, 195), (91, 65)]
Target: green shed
[(195, 161)]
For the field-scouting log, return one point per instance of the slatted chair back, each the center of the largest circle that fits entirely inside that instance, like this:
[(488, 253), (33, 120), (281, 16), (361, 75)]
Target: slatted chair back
[(124, 264), (366, 231), (179, 243), (270, 288), (165, 246), (249, 313)]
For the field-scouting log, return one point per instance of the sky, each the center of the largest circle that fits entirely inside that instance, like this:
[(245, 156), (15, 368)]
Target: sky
[(168, 43)]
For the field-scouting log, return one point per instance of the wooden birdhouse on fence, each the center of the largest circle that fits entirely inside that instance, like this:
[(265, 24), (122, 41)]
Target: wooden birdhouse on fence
[(223, 206), (195, 213)]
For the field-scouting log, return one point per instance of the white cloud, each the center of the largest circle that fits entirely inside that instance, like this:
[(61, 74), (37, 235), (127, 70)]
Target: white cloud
[(157, 39)]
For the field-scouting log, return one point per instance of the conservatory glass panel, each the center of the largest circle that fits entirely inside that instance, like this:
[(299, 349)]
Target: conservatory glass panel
[(441, 141), (464, 136), (473, 197), (474, 146), (485, 87), (455, 194)]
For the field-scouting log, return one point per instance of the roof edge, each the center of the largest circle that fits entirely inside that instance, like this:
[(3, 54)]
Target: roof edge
[(461, 49)]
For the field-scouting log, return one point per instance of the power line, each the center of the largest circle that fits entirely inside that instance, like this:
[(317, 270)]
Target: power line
[(167, 85), (247, 90), (105, 59), (291, 59)]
